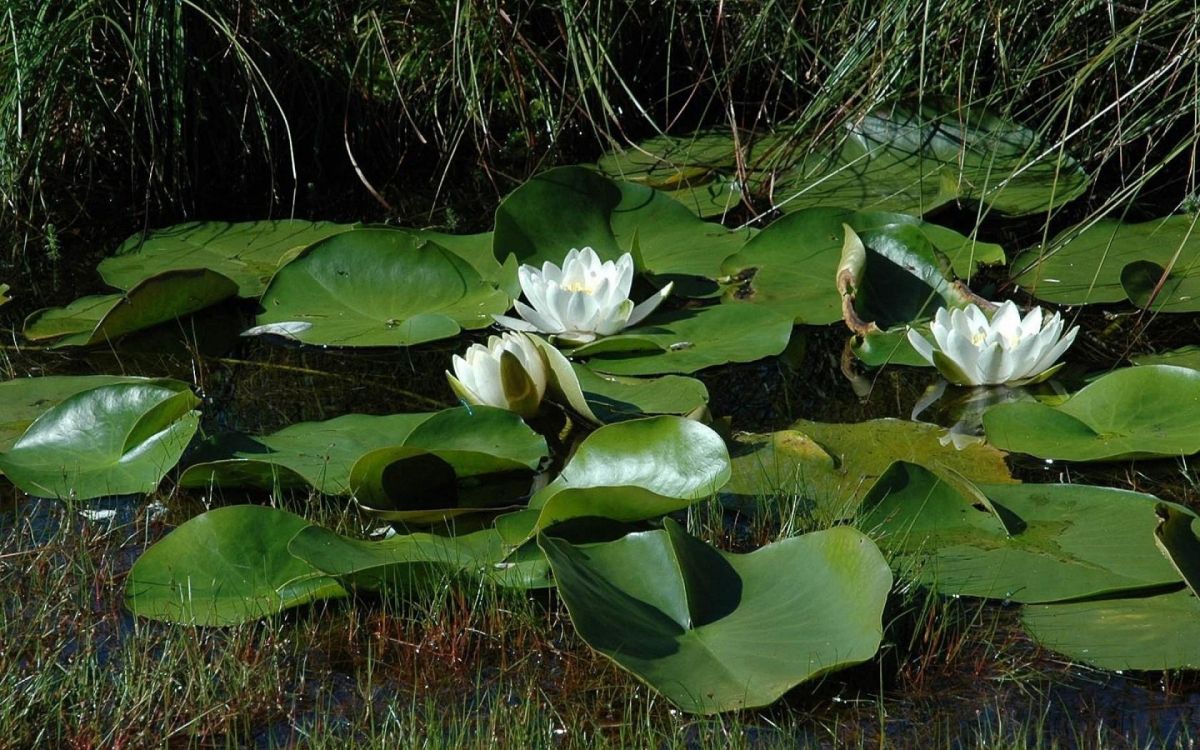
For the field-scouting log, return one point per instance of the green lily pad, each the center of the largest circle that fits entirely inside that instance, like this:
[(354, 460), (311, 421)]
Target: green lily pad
[(110, 440), (632, 471), (1146, 632), (554, 211), (1111, 261), (316, 454), (379, 287), (573, 207), (1135, 412), (791, 266), (106, 317), (715, 632), (1025, 543), (901, 159), (835, 465), (673, 243), (912, 160), (322, 454), (405, 560), (689, 340), (419, 481), (247, 252), (225, 567), (613, 398), (23, 400), (694, 171), (1184, 356)]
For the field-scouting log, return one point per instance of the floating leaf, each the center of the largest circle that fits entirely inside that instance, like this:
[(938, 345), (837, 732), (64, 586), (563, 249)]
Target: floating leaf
[(1145, 632), (614, 398), (316, 454), (106, 317), (1111, 261), (1184, 356), (225, 567), (419, 481), (674, 244), (714, 631), (1026, 542), (23, 400), (689, 340), (555, 211), (1134, 412), (4, 290), (789, 462), (110, 440), (407, 560), (247, 252), (694, 171), (572, 207), (791, 266), (380, 287), (913, 160), (903, 159), (631, 471)]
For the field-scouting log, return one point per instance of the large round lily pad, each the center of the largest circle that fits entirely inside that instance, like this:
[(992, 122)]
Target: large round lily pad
[(111, 440), (225, 567), (105, 317), (689, 340), (1019, 542), (713, 631), (378, 287), (1129, 413), (1111, 261), (247, 252)]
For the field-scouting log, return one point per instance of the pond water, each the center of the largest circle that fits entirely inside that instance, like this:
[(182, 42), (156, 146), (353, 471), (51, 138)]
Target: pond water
[(998, 682), (953, 672)]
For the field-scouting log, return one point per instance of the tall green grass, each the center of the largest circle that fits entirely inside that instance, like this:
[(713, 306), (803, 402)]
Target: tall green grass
[(119, 114)]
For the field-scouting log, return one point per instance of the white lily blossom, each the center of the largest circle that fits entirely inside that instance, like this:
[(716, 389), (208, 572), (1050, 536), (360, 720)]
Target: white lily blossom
[(581, 301), (970, 349), (509, 373)]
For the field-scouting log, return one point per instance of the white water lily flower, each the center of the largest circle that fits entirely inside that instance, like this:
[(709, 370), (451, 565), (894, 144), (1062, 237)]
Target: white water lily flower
[(581, 301), (972, 350), (508, 373)]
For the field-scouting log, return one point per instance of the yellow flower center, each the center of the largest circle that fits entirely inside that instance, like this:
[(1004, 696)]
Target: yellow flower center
[(578, 286)]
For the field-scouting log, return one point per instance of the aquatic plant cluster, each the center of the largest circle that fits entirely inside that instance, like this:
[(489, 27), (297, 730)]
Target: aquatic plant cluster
[(566, 464)]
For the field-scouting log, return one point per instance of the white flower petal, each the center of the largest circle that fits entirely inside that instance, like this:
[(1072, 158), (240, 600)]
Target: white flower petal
[(649, 305), (921, 345)]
